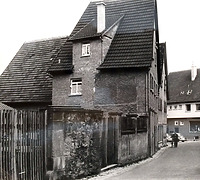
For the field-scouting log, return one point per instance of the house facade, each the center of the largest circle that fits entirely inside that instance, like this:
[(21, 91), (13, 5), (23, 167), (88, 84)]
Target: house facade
[(105, 86), (163, 96), (183, 109), (116, 67)]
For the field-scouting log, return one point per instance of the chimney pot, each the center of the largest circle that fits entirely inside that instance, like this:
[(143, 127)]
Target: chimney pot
[(193, 72), (101, 17)]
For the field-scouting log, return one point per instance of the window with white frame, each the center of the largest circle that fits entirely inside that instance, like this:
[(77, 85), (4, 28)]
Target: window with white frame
[(181, 123), (176, 123), (76, 86), (86, 49)]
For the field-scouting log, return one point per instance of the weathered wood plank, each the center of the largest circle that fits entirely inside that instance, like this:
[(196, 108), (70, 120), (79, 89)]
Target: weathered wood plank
[(22, 150)]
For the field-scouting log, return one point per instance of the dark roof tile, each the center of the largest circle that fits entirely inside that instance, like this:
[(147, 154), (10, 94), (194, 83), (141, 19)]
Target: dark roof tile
[(133, 42), (90, 30), (26, 78), (63, 60), (182, 89)]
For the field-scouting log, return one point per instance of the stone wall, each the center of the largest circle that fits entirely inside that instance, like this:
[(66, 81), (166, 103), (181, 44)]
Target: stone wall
[(76, 143), (133, 147), (84, 141), (121, 91)]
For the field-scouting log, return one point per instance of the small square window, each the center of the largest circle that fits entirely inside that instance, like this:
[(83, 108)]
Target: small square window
[(85, 49), (176, 123), (198, 107), (181, 123), (188, 107), (194, 126), (76, 87), (128, 125)]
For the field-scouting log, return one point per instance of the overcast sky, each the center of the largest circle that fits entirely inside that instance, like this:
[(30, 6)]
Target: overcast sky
[(28, 20)]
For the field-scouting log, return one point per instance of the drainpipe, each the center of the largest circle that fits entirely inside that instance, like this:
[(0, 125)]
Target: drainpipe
[(149, 118)]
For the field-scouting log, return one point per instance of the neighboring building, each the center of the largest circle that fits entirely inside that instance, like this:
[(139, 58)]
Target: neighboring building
[(184, 102), (163, 96), (5, 107), (25, 83)]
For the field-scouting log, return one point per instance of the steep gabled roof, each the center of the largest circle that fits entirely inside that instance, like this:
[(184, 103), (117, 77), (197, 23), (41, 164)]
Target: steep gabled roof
[(26, 78), (182, 89), (163, 58), (132, 45), (90, 30)]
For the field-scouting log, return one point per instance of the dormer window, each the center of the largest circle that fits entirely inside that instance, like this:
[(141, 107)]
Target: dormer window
[(86, 49)]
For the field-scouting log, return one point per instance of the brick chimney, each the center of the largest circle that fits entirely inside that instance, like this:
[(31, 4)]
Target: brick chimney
[(193, 72), (101, 17)]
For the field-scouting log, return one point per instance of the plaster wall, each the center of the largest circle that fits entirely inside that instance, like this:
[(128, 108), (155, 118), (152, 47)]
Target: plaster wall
[(179, 111)]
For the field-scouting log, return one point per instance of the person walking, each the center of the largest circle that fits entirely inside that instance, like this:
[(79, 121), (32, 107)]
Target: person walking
[(175, 140)]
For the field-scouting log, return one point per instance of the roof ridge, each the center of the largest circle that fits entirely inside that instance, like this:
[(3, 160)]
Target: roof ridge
[(118, 20), (46, 39), (81, 29), (182, 71)]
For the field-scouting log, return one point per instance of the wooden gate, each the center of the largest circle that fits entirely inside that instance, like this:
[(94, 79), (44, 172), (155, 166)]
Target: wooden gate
[(22, 143)]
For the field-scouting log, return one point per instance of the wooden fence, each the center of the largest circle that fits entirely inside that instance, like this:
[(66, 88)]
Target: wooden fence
[(22, 145)]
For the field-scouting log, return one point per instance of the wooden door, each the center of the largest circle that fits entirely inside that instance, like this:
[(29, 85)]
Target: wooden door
[(111, 156)]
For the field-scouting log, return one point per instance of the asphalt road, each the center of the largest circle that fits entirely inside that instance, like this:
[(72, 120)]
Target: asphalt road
[(180, 163)]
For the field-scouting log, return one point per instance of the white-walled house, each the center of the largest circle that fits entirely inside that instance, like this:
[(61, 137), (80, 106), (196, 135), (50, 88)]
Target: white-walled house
[(183, 109)]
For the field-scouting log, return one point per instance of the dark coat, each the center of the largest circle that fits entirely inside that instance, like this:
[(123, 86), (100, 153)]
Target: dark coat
[(175, 137)]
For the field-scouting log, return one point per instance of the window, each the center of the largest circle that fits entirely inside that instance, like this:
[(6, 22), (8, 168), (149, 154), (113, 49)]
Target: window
[(175, 107), (128, 125), (181, 123), (76, 87), (194, 126), (180, 107), (151, 84), (85, 49), (188, 107), (165, 107), (176, 123), (142, 124), (198, 107), (160, 104), (170, 108)]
